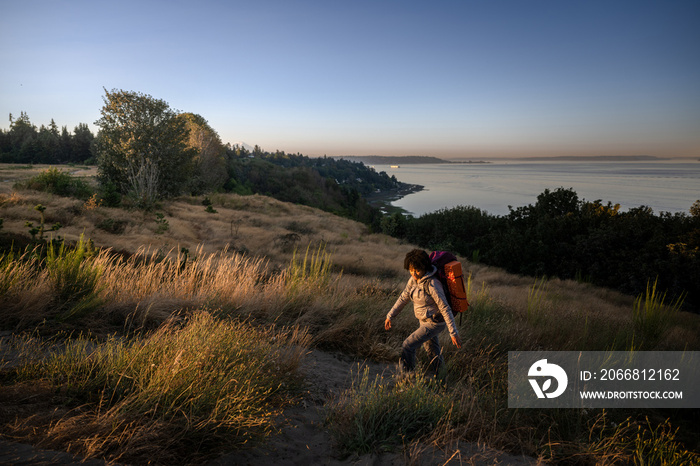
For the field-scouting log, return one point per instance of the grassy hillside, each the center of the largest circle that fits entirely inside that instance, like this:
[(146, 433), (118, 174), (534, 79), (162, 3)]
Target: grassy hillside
[(153, 314)]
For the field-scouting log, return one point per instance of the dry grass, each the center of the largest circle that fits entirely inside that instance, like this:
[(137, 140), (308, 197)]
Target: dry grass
[(182, 390), (237, 261)]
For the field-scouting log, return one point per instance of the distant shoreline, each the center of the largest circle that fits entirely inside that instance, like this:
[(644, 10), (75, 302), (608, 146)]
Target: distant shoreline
[(590, 158), (402, 160)]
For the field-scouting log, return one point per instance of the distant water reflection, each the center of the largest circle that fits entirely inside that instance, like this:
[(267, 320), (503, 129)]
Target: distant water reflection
[(669, 186)]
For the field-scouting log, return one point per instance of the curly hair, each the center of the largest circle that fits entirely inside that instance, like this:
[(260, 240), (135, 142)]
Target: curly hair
[(418, 260)]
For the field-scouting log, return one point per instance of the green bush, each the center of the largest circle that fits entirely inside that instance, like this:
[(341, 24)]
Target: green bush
[(55, 181)]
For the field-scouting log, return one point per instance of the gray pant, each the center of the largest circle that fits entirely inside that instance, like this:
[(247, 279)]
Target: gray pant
[(426, 335)]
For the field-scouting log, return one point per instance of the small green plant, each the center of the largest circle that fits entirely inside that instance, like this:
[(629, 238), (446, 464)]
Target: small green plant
[(34, 231), (651, 316), (74, 277), (110, 195), (380, 415), (475, 256), (162, 223), (468, 284), (208, 206), (113, 226)]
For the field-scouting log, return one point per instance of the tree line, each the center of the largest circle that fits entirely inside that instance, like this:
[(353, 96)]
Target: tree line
[(24, 143), (564, 236)]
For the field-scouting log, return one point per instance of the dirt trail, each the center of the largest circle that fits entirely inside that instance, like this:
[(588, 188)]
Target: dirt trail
[(304, 441)]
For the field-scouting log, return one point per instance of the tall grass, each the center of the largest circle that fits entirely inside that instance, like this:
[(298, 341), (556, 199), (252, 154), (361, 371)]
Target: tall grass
[(218, 279), (11, 271), (535, 300), (312, 270), (209, 380), (652, 316), (75, 279), (58, 282), (382, 414), (642, 443)]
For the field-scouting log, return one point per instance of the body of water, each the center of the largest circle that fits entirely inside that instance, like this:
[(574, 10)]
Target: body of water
[(669, 186)]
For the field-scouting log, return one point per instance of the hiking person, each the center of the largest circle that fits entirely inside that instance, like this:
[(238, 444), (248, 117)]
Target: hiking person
[(430, 307)]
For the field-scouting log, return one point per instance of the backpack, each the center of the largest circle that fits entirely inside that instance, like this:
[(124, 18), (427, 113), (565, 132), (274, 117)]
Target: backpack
[(449, 272)]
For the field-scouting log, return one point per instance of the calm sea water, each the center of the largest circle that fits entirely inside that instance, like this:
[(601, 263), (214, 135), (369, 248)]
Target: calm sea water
[(669, 186)]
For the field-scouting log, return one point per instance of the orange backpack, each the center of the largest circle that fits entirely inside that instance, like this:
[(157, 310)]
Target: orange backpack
[(452, 279)]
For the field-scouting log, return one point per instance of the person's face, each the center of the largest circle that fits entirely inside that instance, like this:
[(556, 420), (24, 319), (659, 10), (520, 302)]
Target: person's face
[(416, 274)]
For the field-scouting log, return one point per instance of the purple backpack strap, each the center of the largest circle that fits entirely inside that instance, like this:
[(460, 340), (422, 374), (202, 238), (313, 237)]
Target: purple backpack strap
[(440, 258)]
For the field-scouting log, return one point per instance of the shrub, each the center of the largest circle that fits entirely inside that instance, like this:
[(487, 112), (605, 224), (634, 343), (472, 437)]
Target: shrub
[(55, 181), (113, 226)]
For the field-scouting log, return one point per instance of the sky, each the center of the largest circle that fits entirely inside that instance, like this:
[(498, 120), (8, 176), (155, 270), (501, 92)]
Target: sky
[(453, 79)]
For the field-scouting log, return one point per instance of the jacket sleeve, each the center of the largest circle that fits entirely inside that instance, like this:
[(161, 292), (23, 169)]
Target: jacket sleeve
[(404, 299), (438, 294)]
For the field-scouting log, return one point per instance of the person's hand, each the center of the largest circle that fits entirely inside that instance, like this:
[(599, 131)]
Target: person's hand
[(387, 324), (457, 341)]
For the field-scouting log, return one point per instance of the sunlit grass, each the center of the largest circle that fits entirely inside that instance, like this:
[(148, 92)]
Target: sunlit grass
[(75, 279), (205, 378), (382, 414), (313, 270)]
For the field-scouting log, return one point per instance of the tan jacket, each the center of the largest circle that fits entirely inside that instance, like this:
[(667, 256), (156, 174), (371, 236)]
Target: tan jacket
[(428, 300)]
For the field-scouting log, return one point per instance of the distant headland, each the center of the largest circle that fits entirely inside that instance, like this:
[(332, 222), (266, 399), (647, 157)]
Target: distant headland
[(591, 158), (400, 160)]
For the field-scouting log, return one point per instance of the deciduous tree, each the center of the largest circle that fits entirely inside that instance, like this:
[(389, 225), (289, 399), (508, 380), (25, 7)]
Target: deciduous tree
[(210, 159), (142, 147)]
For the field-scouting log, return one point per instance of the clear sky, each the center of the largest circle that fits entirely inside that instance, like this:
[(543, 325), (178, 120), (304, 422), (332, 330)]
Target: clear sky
[(470, 78)]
